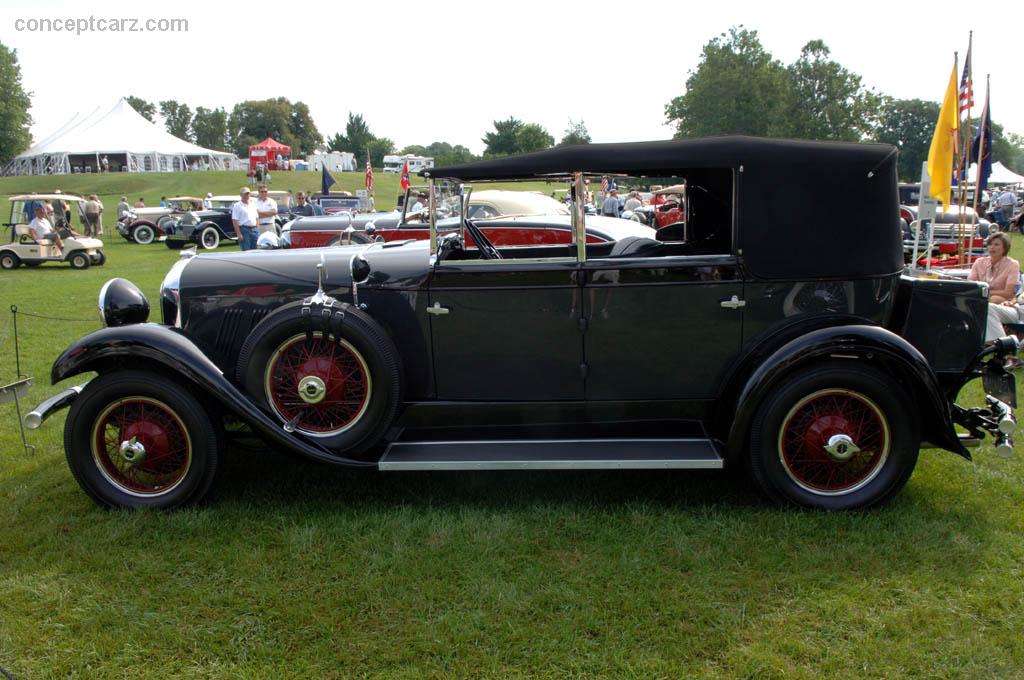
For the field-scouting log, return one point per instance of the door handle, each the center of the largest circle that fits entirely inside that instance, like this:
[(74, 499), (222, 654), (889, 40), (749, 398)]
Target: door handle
[(734, 303), (437, 309)]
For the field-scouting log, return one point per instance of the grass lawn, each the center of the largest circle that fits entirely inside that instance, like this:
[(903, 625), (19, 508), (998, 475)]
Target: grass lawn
[(296, 570)]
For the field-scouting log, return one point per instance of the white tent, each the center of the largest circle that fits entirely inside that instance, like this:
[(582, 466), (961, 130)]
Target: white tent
[(129, 141), (1000, 174)]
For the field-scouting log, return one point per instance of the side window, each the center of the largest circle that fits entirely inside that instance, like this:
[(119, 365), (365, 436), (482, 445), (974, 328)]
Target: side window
[(481, 211)]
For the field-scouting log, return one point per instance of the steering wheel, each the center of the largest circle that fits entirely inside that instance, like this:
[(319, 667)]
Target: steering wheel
[(487, 249)]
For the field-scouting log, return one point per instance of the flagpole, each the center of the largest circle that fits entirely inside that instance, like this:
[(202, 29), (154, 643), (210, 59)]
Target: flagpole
[(965, 236), (981, 151)]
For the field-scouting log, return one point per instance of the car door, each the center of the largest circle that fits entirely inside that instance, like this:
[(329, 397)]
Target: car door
[(506, 330), (661, 328)]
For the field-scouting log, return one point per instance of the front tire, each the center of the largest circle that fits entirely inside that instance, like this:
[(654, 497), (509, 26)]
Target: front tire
[(344, 394), (79, 260), (143, 234), (834, 437), (134, 439)]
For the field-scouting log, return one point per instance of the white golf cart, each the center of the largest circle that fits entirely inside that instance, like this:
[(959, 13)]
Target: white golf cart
[(80, 252)]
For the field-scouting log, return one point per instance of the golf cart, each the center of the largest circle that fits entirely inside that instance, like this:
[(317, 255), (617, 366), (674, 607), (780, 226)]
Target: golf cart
[(80, 252)]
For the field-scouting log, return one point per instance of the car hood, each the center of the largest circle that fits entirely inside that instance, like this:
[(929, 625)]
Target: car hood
[(255, 273)]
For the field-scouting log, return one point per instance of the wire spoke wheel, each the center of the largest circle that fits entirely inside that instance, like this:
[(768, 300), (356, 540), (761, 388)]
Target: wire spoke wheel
[(141, 446), (321, 388), (834, 442)]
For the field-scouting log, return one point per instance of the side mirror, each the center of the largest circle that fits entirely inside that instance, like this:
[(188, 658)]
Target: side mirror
[(359, 268)]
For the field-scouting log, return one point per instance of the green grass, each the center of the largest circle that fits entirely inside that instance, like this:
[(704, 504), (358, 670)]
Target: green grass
[(295, 570)]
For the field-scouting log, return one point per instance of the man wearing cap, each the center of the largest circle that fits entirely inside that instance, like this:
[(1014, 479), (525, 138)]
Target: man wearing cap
[(266, 209), (245, 219)]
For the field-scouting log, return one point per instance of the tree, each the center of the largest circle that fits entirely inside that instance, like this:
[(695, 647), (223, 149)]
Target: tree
[(253, 121), (502, 141), (379, 147), (826, 100), (177, 118), (443, 153), (145, 109), (1014, 156), (210, 127), (533, 137), (576, 133), (737, 88), (908, 125), (14, 117), (356, 139)]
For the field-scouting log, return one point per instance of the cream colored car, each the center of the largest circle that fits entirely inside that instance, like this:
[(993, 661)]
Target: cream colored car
[(81, 252)]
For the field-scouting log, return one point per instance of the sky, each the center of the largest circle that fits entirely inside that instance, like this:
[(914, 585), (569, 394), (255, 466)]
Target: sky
[(445, 70)]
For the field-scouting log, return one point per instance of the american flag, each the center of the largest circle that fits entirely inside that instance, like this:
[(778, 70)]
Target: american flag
[(604, 185), (967, 84), (369, 177)]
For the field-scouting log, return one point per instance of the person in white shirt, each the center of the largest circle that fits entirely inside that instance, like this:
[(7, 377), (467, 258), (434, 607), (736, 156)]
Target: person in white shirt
[(42, 231), (633, 202), (208, 201), (266, 208), (244, 219)]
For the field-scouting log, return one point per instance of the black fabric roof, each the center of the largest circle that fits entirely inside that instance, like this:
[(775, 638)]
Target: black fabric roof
[(659, 158), (800, 209)]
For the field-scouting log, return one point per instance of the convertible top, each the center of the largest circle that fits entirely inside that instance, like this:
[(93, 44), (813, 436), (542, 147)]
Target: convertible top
[(799, 208)]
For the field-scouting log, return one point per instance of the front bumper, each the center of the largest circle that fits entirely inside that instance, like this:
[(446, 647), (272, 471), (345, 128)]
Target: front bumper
[(37, 416)]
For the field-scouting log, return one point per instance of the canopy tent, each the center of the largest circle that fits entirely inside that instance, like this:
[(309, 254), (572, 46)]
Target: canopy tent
[(129, 141), (266, 152), (1000, 174)]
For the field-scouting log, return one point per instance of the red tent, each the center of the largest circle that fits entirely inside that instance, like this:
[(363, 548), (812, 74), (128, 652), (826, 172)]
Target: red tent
[(267, 152)]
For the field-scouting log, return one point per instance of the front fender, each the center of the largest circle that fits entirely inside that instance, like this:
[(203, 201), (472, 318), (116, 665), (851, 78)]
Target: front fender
[(872, 344), (148, 343)]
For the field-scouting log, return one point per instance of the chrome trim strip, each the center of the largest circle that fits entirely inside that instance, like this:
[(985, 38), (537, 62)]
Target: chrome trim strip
[(681, 464), (579, 216), (512, 442)]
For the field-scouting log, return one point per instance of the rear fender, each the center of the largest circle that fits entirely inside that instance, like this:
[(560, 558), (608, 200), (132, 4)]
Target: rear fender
[(871, 344), (111, 348)]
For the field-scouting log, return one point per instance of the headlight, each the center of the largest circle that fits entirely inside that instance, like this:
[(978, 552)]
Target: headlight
[(122, 303)]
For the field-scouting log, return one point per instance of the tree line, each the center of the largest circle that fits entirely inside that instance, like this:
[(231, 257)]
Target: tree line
[(737, 87)]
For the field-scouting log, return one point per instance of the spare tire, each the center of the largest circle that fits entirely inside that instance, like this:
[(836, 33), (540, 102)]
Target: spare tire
[(343, 392)]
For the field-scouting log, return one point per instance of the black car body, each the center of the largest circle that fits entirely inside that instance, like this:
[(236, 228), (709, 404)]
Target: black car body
[(205, 228), (766, 338)]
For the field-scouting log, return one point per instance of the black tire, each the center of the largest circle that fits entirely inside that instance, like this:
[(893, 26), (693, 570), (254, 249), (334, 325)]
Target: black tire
[(355, 410), (143, 234), (209, 236), (787, 455), (174, 245), (9, 260), (79, 260), (101, 259), (158, 413)]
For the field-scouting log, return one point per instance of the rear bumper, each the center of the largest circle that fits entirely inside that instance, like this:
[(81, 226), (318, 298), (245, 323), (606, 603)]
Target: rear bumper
[(37, 416), (997, 417)]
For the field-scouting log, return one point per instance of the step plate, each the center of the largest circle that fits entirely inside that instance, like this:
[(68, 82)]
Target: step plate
[(553, 454)]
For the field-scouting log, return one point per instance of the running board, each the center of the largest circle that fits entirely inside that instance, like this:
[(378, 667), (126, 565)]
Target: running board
[(553, 454)]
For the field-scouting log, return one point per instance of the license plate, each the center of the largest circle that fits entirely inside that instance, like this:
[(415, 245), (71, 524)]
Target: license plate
[(1001, 385)]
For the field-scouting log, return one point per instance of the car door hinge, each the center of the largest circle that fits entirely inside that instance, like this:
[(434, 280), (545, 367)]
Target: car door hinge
[(583, 323), (583, 371)]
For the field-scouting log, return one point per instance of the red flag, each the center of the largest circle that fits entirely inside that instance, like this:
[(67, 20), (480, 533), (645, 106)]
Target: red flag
[(369, 178), (405, 176)]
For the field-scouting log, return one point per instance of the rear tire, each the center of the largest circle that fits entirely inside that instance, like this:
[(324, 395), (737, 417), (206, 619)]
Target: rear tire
[(101, 259), (859, 413), (79, 260), (143, 234), (209, 238), (135, 439), (355, 385), (9, 260)]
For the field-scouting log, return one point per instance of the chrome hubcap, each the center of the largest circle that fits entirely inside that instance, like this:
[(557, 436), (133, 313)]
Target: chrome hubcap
[(133, 451), (312, 389), (841, 448)]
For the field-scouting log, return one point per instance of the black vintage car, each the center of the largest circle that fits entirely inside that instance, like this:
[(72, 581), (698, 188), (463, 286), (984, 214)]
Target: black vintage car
[(775, 337), (205, 228)]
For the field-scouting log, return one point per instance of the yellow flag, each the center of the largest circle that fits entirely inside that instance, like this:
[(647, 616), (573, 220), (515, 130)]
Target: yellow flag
[(940, 155)]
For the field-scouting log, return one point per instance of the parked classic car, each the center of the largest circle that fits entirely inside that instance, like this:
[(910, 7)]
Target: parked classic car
[(507, 218), (81, 252), (205, 228), (768, 338), (145, 225)]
